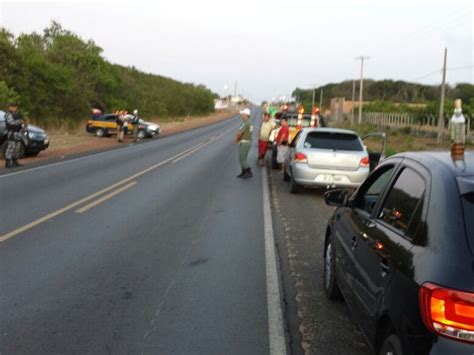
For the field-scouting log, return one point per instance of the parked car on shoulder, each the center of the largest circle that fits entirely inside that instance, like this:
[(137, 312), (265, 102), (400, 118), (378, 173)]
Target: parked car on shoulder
[(106, 125), (329, 157), (400, 251), (34, 139)]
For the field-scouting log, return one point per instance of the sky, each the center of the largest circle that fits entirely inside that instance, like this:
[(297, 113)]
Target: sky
[(269, 47)]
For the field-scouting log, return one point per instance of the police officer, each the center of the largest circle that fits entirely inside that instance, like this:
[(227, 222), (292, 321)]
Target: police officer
[(136, 125), (244, 138), (14, 125)]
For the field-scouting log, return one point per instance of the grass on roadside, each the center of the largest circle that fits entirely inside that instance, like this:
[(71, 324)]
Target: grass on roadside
[(402, 139)]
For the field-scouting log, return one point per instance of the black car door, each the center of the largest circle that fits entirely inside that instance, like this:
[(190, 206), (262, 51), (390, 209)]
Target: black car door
[(385, 244), (351, 220)]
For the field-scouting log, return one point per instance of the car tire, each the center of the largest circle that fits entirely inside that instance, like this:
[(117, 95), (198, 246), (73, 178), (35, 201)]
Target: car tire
[(331, 288), (33, 153), (286, 176), (4, 149), (391, 345), (294, 187), (141, 134), (100, 132)]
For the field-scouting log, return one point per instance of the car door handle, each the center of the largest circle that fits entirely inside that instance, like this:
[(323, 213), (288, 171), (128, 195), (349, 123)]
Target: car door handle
[(385, 268), (370, 224)]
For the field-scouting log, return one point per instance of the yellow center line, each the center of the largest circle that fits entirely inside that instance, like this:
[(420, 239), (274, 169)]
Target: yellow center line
[(105, 198)]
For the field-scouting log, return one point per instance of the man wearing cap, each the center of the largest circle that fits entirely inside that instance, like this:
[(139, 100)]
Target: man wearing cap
[(244, 138), (14, 124), (136, 125)]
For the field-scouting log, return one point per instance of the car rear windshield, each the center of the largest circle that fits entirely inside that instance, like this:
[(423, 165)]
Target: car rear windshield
[(334, 141), (468, 207)]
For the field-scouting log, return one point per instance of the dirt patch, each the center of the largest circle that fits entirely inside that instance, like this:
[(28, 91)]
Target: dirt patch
[(63, 144)]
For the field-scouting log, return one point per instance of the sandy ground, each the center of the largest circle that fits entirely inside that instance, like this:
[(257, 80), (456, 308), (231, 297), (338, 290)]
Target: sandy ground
[(63, 143)]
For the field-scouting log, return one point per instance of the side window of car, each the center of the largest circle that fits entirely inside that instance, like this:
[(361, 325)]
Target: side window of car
[(369, 193), (403, 205)]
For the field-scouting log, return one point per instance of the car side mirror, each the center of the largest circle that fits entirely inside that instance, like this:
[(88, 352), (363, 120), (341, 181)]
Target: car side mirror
[(336, 198)]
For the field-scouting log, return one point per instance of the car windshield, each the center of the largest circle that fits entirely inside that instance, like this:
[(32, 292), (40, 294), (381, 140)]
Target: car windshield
[(333, 140)]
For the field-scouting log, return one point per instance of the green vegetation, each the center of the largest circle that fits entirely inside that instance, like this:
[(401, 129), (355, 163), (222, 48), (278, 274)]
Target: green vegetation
[(396, 96), (57, 78)]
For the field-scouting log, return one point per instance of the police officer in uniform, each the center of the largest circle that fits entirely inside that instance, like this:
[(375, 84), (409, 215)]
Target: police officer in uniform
[(244, 138), (14, 125)]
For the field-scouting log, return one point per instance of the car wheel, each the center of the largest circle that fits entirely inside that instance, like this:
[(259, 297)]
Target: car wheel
[(294, 187), (286, 176), (141, 134), (4, 149), (100, 132), (331, 289), (391, 345)]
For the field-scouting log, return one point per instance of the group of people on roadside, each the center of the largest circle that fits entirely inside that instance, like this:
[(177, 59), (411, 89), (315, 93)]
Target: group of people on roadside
[(269, 132), (123, 121)]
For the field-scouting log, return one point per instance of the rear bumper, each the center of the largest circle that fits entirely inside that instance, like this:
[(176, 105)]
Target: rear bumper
[(305, 175)]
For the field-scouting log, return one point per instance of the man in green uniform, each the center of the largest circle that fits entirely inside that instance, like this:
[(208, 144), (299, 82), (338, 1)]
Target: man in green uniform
[(244, 138)]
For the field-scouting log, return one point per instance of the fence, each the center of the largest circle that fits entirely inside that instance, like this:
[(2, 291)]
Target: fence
[(427, 123)]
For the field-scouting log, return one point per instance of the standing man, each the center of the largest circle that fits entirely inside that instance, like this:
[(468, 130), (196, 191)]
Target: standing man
[(282, 141), (244, 138), (265, 131), (14, 125), (120, 121), (136, 124)]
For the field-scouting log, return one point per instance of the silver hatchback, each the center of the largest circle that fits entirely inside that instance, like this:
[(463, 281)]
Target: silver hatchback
[(329, 157)]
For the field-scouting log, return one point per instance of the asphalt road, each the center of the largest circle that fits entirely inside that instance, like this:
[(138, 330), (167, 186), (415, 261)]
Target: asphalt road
[(317, 325), (151, 248)]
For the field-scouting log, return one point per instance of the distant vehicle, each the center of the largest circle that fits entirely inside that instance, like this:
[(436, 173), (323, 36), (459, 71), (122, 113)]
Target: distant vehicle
[(401, 253), (34, 139), (306, 121), (329, 157), (106, 125)]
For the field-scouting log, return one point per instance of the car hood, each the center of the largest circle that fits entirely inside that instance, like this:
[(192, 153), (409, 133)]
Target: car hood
[(150, 124), (35, 129)]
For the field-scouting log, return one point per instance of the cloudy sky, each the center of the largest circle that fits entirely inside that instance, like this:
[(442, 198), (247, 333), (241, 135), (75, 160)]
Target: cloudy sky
[(268, 46)]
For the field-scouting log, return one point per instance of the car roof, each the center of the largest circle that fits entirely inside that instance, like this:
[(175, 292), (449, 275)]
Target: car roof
[(444, 159), (329, 130)]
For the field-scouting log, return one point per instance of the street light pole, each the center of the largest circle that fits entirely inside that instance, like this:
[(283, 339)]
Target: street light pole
[(352, 103), (361, 89), (314, 91), (321, 100)]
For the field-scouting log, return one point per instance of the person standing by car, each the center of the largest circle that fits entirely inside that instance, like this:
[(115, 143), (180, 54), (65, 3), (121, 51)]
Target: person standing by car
[(265, 131), (14, 125), (120, 121), (244, 138), (282, 141), (136, 125)]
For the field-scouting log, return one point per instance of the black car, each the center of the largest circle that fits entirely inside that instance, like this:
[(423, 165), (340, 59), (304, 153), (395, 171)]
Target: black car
[(34, 139), (401, 252)]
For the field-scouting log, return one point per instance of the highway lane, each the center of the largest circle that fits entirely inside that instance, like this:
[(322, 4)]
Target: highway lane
[(169, 260)]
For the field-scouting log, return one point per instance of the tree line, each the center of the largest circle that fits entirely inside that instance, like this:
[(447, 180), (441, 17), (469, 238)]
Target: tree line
[(394, 96), (57, 77)]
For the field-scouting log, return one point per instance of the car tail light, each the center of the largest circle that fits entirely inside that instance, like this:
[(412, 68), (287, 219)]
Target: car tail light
[(364, 161), (301, 158), (448, 312)]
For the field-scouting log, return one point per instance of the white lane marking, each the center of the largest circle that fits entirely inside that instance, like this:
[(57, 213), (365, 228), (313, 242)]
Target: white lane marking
[(188, 153), (105, 198), (276, 333)]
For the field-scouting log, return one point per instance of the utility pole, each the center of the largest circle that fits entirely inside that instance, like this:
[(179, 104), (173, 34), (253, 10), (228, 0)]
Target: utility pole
[(441, 105), (361, 89), (314, 91), (353, 98), (321, 100), (235, 89)]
